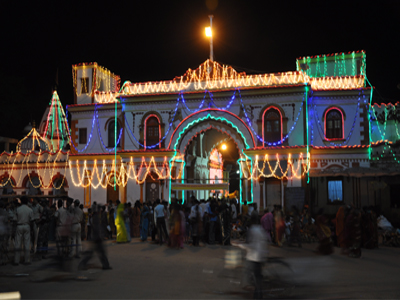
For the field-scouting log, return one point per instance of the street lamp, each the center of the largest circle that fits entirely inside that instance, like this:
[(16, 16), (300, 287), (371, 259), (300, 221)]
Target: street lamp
[(209, 34), (223, 147)]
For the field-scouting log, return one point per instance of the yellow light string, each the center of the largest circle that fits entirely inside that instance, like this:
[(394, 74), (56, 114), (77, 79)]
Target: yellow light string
[(296, 172)]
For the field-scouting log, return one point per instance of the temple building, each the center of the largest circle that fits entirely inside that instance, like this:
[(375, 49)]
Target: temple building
[(309, 136)]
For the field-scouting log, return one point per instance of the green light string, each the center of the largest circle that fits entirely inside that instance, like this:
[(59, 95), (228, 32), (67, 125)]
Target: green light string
[(395, 126), (325, 67), (369, 118), (353, 63), (317, 68), (344, 64), (380, 133), (251, 177)]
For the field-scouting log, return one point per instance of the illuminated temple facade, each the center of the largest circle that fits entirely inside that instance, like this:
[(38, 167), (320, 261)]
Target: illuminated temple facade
[(308, 136)]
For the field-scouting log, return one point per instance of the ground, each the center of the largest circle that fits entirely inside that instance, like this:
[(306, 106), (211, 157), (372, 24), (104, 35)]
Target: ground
[(149, 271)]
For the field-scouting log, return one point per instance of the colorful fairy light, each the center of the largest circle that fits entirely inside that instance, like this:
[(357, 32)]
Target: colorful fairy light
[(56, 122)]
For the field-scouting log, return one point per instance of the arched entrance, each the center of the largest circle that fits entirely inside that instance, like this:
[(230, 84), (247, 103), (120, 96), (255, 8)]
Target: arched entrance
[(197, 135), (112, 193), (152, 187)]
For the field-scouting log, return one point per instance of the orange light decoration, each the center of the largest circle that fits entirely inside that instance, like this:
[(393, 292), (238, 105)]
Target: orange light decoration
[(51, 163), (35, 136), (225, 77), (125, 171), (292, 171)]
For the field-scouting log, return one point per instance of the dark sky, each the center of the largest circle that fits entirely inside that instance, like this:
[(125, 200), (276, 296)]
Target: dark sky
[(158, 40)]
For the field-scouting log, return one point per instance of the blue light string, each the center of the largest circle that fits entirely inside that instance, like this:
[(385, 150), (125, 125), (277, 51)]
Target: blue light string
[(212, 102), (90, 135), (260, 138), (320, 129), (200, 106), (163, 138), (98, 129), (229, 104)]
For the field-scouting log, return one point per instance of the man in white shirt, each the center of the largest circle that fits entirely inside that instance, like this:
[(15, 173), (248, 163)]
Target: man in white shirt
[(160, 221), (234, 211)]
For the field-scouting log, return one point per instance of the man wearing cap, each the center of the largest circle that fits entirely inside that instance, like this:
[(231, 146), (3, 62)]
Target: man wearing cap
[(24, 218), (76, 229)]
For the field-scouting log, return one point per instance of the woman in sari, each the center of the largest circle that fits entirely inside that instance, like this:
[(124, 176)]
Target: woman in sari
[(120, 223), (145, 222), (325, 246), (175, 227), (136, 220)]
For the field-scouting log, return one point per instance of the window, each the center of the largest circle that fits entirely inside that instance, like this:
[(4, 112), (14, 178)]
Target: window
[(152, 132), (335, 190), (85, 85), (333, 124), (82, 135), (111, 134), (272, 126)]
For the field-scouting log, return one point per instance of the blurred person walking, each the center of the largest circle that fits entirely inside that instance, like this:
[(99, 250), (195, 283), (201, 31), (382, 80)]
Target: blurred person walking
[(256, 254), (96, 244), (24, 220)]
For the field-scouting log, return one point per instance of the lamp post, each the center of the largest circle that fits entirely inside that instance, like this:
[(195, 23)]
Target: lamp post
[(209, 34)]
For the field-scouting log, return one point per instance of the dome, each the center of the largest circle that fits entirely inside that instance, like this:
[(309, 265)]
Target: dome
[(32, 142), (27, 128)]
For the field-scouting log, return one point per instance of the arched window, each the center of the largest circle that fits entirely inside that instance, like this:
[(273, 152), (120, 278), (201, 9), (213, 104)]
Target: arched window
[(334, 124), (272, 126), (152, 127), (111, 134)]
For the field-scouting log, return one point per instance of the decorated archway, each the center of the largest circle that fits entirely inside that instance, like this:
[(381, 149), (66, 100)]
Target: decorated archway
[(225, 125)]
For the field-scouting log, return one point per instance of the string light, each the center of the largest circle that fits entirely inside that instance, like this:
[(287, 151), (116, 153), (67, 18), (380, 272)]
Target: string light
[(57, 122), (37, 140)]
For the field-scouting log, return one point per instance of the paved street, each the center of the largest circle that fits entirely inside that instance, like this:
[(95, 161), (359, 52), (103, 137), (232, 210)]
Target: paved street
[(144, 270)]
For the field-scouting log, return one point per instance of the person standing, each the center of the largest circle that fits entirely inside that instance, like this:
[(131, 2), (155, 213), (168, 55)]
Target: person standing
[(120, 223), (195, 219), (63, 230), (136, 213), (43, 237), (24, 219), (76, 229), (37, 211), (145, 222), (267, 222), (159, 214)]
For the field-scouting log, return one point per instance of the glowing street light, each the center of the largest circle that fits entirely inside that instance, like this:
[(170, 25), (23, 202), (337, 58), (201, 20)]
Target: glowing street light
[(208, 32), (223, 147)]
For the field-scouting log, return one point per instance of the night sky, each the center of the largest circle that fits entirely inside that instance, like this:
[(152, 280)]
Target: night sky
[(158, 40)]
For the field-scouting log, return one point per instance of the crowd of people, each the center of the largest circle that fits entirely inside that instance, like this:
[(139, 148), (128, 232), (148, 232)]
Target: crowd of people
[(27, 226)]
